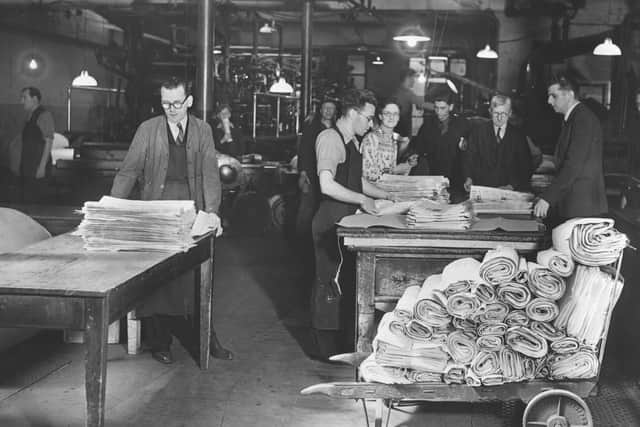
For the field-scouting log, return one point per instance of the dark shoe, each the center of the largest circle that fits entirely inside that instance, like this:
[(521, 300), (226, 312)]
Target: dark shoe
[(164, 357), (217, 350)]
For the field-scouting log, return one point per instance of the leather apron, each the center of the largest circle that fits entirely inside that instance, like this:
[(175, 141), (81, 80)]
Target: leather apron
[(330, 302)]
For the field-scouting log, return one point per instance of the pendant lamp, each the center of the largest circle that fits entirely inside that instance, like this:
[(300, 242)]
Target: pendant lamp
[(281, 85), (607, 48), (487, 53), (412, 36), (84, 79), (377, 61)]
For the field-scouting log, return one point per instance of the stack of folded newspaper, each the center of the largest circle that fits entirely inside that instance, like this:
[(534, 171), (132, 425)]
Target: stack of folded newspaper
[(489, 200), (440, 216), (113, 224), (404, 188)]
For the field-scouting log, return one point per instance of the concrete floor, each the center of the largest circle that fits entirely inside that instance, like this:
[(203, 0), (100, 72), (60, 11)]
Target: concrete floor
[(258, 316)]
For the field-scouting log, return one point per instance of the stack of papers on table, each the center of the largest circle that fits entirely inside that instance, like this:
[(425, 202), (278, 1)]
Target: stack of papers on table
[(404, 188), (440, 216), (490, 200), (114, 224)]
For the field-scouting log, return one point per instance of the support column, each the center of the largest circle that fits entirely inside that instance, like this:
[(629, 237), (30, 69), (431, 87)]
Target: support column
[(204, 79), (305, 103)]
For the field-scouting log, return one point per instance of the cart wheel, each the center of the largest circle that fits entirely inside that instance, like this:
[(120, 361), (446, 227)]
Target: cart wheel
[(557, 408)]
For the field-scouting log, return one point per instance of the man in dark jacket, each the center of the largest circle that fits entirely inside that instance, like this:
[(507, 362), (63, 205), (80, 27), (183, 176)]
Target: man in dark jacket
[(498, 154), (578, 188)]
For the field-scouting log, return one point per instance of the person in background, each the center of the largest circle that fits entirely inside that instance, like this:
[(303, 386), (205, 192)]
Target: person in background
[(339, 165), (308, 183), (172, 157), (441, 141), (31, 150), (406, 99), (380, 147), (498, 154), (227, 137), (578, 188)]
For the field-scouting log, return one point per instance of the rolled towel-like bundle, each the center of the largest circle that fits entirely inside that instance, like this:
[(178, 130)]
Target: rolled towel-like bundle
[(494, 312), (462, 269), (466, 325), (462, 346), (590, 241), (556, 261), (392, 331), (424, 377), (522, 276), (545, 283), (485, 363), (517, 318), (517, 295), (485, 293), (462, 305), (547, 330), (432, 311), (458, 287), (579, 365), (565, 345), (499, 265), (492, 329), (404, 307), (542, 310), (418, 331), (525, 341), (371, 371), (454, 373), (490, 343)]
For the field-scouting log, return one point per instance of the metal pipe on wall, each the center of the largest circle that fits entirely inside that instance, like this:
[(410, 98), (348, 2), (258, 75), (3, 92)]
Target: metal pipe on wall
[(306, 58), (204, 77)]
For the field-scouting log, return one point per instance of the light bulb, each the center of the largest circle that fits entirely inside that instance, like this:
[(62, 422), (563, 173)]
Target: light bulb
[(33, 64), (412, 43)]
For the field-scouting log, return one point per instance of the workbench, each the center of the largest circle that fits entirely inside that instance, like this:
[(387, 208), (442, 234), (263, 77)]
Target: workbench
[(390, 260), (56, 284)]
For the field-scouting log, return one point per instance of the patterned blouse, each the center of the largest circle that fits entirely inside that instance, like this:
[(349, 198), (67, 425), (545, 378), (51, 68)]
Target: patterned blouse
[(379, 154)]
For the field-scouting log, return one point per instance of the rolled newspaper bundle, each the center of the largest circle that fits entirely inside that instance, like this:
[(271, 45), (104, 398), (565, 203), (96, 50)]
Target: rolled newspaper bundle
[(458, 287), (565, 345), (522, 276), (525, 341), (371, 371), (462, 346), (455, 373), (431, 308), (485, 363), (547, 330), (556, 261), (404, 307), (579, 365), (486, 293), (545, 283), (466, 325), (418, 331), (514, 366), (590, 241), (463, 305), (542, 310), (499, 265), (472, 379), (517, 318), (517, 295), (490, 343), (492, 329), (392, 331), (493, 379), (463, 269), (492, 313), (424, 377), (431, 359)]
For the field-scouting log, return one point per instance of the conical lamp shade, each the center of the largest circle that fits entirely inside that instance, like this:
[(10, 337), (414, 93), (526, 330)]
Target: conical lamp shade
[(607, 48), (84, 79), (487, 53), (281, 86)]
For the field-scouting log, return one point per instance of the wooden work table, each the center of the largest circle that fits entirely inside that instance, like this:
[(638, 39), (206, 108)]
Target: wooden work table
[(390, 260), (56, 284)]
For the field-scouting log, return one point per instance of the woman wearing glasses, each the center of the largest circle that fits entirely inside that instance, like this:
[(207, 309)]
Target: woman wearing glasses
[(380, 147)]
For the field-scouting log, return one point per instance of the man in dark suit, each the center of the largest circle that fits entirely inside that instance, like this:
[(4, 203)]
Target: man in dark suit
[(498, 154), (578, 188)]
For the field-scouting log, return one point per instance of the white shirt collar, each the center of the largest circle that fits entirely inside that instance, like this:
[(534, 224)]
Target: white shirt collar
[(568, 113), (174, 126)]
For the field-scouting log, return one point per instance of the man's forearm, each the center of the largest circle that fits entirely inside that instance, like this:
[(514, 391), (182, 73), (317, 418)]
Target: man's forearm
[(373, 191), (331, 188), (46, 152)]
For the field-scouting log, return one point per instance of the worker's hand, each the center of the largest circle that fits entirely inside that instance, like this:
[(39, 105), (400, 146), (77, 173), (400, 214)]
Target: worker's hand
[(413, 160), (541, 208), (402, 169), (463, 144), (40, 172), (368, 206), (467, 184), (216, 224), (304, 184)]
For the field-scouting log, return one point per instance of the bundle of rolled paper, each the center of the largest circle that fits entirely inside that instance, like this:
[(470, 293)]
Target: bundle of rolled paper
[(113, 224), (440, 216), (405, 188), (500, 320), (492, 200), (590, 241)]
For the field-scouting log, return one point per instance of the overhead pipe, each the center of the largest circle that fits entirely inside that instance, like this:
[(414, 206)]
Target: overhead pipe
[(206, 36), (306, 58)]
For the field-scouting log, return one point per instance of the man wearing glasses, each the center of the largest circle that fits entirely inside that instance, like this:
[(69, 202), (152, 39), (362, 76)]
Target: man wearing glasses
[(339, 165), (498, 154), (172, 157)]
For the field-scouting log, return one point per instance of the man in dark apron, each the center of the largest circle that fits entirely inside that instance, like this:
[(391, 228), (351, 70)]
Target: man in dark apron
[(172, 157), (343, 191)]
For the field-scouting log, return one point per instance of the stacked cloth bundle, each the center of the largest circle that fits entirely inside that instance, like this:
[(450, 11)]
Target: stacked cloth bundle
[(405, 188), (440, 216), (114, 224), (500, 320), (490, 200)]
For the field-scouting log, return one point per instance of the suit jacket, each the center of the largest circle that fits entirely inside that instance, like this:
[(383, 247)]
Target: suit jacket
[(488, 163), (235, 148), (147, 160), (578, 189)]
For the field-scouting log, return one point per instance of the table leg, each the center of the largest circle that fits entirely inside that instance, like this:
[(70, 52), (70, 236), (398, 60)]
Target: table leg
[(365, 306), (206, 304), (95, 338)]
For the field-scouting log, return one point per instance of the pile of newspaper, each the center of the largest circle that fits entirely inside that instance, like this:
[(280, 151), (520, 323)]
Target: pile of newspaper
[(440, 216), (406, 188), (490, 200), (113, 224)]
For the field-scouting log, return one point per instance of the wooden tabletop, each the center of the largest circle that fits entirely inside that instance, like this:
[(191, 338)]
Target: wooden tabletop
[(60, 266)]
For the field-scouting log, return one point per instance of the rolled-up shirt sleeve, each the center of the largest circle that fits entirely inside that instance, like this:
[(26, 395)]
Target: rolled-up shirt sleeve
[(46, 125), (330, 151)]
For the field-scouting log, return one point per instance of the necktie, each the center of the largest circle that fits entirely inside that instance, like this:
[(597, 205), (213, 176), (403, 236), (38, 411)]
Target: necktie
[(499, 135), (180, 137)]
